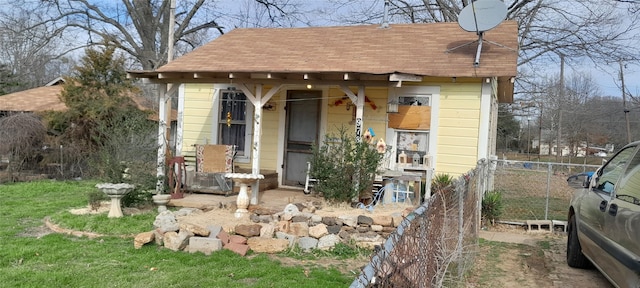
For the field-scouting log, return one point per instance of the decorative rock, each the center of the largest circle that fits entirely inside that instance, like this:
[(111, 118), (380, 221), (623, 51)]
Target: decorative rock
[(334, 229), (316, 218), (367, 237), (237, 239), (318, 231), (300, 206), (376, 228), (265, 218), (143, 238), (300, 229), (214, 230), (284, 226), (348, 229), (291, 238), (363, 229), (248, 230), (349, 220), (175, 241), (286, 217), (300, 218), (195, 229), (224, 237), (382, 220), (345, 235), (329, 241), (307, 243), (188, 211), (267, 231), (166, 221), (330, 221), (240, 249), (158, 237), (264, 211), (254, 218), (205, 245), (366, 220), (264, 245), (291, 209)]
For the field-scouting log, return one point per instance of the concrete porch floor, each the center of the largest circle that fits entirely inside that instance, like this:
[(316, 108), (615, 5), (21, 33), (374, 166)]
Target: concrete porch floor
[(274, 199), (277, 199)]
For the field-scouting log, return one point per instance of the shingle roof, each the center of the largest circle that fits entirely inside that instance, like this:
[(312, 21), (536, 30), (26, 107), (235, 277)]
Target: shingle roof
[(33, 100), (419, 49), (47, 99)]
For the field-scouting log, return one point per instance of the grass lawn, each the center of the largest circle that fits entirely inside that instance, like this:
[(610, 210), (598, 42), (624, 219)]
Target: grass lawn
[(56, 260)]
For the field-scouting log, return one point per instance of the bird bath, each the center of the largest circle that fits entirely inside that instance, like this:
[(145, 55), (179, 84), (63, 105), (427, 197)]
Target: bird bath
[(115, 192), (243, 197), (161, 200)]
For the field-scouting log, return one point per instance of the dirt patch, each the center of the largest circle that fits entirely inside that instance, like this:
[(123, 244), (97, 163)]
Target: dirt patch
[(539, 263)]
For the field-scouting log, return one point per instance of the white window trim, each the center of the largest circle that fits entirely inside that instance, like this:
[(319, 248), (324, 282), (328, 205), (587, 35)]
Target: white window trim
[(215, 118), (433, 92)]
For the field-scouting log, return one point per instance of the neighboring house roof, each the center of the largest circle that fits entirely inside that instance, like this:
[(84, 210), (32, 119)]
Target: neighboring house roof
[(33, 100), (47, 98), (326, 53)]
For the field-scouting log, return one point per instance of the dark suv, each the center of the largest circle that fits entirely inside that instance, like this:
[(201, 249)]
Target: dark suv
[(604, 219)]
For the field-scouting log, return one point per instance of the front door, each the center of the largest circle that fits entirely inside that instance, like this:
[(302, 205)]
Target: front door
[(303, 114)]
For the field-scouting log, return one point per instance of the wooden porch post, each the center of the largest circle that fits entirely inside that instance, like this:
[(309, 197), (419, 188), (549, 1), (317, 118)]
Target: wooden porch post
[(258, 101), (359, 101), (162, 134)]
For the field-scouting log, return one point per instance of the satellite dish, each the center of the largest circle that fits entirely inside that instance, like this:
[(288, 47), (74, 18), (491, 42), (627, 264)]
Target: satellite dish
[(482, 15)]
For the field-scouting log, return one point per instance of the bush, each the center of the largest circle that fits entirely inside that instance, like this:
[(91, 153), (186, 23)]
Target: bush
[(492, 206), (344, 168)]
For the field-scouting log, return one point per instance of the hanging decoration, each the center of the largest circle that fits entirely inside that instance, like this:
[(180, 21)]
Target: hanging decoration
[(229, 119), (345, 100)]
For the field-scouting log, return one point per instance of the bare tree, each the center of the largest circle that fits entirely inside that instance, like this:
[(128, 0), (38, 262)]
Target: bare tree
[(32, 52), (141, 28), (603, 31)]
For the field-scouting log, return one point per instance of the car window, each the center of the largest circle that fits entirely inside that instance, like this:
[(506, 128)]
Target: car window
[(629, 188), (609, 175)]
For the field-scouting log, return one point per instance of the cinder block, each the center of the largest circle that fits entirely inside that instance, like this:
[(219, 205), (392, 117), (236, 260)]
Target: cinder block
[(539, 225), (205, 245), (559, 225)]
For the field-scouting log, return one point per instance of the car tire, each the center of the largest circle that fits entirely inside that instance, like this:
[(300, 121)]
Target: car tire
[(575, 258)]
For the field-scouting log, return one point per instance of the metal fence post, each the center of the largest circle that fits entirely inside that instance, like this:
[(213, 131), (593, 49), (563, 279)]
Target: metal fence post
[(546, 207)]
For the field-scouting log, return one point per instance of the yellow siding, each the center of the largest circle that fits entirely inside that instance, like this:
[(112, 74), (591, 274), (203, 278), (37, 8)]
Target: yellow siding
[(459, 120), (269, 144), (197, 117), (338, 115)]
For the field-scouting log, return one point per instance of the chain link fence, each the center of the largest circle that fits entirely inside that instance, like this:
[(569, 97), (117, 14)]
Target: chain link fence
[(535, 190), (435, 244)]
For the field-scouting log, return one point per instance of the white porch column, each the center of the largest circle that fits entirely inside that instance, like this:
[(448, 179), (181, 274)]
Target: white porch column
[(359, 101), (258, 101), (162, 134)]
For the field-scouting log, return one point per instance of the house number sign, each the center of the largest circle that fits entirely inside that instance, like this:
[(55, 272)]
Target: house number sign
[(358, 129)]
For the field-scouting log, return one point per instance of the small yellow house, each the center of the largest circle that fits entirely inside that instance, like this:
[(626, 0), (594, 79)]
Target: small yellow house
[(273, 92)]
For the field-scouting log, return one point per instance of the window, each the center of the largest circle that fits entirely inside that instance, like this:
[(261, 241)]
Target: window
[(234, 116), (411, 143), (609, 175), (418, 100), (629, 190)]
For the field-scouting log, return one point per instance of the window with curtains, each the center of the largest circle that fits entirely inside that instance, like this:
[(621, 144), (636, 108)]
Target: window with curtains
[(234, 115)]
